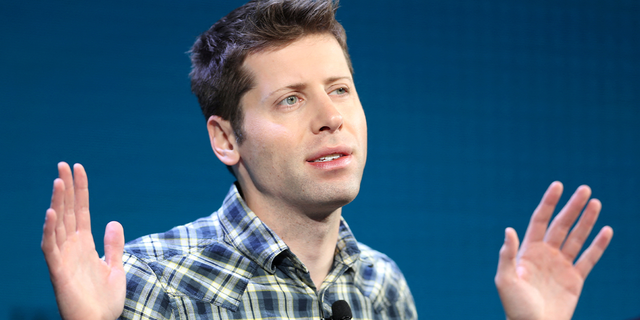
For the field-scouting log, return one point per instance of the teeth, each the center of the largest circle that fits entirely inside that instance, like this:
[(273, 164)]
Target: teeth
[(328, 158)]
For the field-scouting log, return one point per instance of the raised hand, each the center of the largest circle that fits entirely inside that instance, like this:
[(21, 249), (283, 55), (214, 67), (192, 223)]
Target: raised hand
[(86, 287), (541, 280)]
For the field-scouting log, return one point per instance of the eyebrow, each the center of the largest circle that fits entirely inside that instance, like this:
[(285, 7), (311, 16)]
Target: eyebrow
[(295, 86), (302, 86)]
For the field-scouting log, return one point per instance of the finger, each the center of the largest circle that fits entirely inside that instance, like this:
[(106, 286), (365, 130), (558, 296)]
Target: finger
[(82, 199), (57, 204), (507, 262), (48, 245), (541, 216), (69, 218), (590, 257), (581, 231), (113, 244), (560, 226)]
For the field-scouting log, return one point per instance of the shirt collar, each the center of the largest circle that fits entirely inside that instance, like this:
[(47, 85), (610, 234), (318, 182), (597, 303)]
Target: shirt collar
[(259, 243), (347, 250), (248, 233)]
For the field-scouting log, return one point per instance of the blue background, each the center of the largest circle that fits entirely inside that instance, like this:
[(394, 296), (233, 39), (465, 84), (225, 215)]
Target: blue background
[(473, 108)]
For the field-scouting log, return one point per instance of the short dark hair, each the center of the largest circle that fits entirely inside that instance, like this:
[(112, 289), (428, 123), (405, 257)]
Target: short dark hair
[(218, 78)]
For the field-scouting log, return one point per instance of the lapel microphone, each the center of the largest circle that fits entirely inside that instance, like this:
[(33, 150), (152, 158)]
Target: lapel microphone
[(340, 310)]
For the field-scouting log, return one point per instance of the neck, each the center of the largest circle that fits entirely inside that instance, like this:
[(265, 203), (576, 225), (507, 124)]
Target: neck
[(311, 236)]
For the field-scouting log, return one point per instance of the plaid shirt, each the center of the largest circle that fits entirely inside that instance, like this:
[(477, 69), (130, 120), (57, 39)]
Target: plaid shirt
[(230, 265)]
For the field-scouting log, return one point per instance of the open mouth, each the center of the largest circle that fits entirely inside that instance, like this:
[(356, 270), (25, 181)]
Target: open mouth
[(328, 157)]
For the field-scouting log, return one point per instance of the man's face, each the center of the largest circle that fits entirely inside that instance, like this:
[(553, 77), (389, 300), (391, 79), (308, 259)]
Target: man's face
[(306, 133)]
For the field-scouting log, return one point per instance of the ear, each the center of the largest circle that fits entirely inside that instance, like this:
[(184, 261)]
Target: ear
[(223, 140)]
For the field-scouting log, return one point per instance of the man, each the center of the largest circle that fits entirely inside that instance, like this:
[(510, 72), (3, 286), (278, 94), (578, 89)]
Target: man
[(274, 81)]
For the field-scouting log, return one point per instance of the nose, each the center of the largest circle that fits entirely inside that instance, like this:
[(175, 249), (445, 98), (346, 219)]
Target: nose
[(328, 117)]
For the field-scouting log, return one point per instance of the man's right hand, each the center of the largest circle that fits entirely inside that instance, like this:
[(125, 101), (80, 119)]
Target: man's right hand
[(86, 286)]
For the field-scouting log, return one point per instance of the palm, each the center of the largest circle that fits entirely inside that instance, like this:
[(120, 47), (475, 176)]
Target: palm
[(86, 287), (540, 281), (543, 269)]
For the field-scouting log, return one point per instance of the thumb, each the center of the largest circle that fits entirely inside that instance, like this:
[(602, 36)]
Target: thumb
[(508, 254), (114, 244)]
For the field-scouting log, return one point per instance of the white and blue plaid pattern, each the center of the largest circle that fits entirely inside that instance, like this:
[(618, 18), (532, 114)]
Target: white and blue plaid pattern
[(230, 265)]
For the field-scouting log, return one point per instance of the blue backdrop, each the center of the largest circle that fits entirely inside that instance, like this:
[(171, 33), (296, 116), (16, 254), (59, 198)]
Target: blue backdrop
[(473, 107)]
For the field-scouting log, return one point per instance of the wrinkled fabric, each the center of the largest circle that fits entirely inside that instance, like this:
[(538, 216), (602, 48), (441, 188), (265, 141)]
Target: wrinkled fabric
[(230, 265)]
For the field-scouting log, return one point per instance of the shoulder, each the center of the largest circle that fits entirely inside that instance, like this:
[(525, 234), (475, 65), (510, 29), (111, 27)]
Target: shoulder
[(379, 259), (377, 266), (379, 278), (178, 240), (192, 262)]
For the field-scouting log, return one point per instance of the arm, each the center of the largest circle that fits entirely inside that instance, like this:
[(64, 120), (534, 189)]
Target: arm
[(86, 287), (541, 281)]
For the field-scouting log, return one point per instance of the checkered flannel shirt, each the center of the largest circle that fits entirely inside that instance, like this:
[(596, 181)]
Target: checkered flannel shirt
[(230, 265)]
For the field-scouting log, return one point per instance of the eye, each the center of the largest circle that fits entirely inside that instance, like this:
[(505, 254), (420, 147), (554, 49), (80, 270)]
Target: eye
[(339, 91), (289, 101)]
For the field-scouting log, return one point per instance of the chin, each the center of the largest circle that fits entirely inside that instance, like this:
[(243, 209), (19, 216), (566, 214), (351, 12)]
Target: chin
[(330, 199)]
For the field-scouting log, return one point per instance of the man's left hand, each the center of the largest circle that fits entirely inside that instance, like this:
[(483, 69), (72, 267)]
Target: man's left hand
[(540, 281)]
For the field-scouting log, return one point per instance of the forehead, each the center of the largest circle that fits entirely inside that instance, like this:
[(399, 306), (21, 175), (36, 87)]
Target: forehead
[(307, 59)]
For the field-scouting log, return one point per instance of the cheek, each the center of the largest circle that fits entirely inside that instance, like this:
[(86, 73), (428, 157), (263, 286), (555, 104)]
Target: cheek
[(360, 129), (363, 137), (359, 123), (363, 124), (267, 140)]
